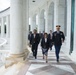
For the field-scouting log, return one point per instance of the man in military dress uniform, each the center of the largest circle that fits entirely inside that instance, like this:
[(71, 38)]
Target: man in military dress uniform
[(58, 39)]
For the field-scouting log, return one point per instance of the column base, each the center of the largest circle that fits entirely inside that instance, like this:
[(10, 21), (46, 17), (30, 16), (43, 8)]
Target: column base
[(15, 58), (73, 55)]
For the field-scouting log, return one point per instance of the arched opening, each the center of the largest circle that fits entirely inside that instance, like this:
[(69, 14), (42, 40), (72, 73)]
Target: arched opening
[(5, 29), (5, 26)]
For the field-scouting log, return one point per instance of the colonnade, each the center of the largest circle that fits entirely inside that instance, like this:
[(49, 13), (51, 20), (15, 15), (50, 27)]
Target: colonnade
[(17, 23)]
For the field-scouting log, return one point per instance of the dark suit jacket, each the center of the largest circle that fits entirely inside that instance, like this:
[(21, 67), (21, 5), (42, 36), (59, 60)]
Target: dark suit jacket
[(35, 40), (45, 44), (50, 38), (41, 35), (29, 37), (57, 38)]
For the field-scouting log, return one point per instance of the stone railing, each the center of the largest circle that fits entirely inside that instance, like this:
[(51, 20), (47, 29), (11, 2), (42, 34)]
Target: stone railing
[(2, 42), (3, 55)]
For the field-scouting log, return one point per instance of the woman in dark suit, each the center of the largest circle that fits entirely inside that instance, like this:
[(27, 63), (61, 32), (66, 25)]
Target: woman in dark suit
[(45, 46)]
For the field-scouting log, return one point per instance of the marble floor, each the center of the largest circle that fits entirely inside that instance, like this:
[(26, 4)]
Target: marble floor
[(40, 67)]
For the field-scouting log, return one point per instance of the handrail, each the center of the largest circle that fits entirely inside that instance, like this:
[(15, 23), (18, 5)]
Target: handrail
[(4, 42)]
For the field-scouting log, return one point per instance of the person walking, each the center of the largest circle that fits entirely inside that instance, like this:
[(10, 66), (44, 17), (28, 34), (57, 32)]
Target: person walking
[(58, 39), (35, 39), (45, 46), (50, 39)]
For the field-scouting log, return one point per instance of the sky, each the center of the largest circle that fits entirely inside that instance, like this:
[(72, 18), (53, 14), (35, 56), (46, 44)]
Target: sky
[(4, 4)]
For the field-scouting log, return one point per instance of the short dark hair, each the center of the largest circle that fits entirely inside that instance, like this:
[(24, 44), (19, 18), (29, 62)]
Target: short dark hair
[(51, 30), (45, 33)]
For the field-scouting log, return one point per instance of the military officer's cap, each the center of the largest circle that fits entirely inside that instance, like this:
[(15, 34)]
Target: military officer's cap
[(58, 26)]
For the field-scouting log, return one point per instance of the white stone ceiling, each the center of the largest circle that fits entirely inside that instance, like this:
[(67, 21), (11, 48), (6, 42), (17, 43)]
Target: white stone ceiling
[(4, 4), (32, 5), (36, 4)]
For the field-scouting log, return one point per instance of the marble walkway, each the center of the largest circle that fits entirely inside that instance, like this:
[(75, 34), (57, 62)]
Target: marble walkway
[(40, 67)]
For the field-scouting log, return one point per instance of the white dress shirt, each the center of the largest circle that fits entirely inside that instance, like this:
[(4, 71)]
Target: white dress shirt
[(45, 39)]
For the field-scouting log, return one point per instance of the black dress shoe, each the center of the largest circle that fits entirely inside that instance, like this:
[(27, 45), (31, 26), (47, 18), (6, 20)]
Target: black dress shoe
[(33, 54), (50, 48), (43, 57), (35, 57), (57, 60), (46, 61)]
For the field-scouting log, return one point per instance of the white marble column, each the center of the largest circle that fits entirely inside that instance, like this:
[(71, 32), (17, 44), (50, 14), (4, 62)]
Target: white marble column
[(56, 13), (38, 22), (46, 21), (2, 27), (62, 15), (7, 26), (68, 35), (50, 21), (33, 22), (41, 25), (18, 31), (46, 18), (25, 26), (16, 27), (51, 17)]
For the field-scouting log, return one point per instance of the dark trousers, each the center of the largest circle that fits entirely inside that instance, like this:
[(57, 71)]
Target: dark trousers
[(57, 51), (50, 46), (34, 49)]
